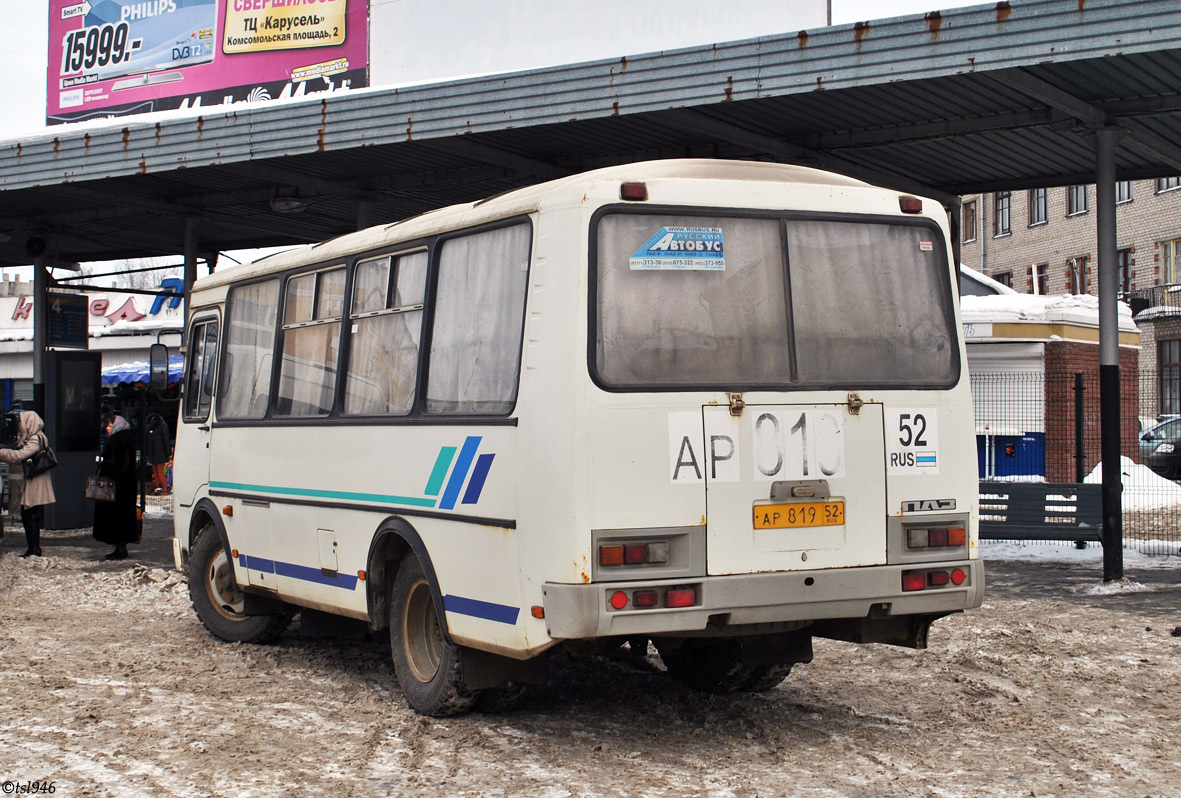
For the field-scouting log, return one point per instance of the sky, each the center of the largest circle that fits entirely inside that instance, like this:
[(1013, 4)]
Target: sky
[(24, 47)]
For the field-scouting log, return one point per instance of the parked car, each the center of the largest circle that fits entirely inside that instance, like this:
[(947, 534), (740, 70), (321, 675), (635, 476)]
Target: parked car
[(1160, 448)]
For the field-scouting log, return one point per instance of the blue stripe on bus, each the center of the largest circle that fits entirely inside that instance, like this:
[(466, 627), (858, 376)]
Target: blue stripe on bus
[(442, 463), (459, 473), (476, 485), (302, 572), (324, 494), (500, 613)]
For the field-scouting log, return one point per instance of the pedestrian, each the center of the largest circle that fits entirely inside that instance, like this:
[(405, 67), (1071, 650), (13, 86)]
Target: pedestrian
[(117, 522), (159, 450), (36, 491)]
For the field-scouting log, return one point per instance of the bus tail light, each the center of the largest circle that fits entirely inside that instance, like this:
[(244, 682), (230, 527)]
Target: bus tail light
[(611, 555), (645, 598), (910, 204), (936, 537), (913, 580), (655, 553), (680, 597), (921, 580)]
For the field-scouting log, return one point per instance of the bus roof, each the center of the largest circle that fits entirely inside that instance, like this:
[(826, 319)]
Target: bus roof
[(525, 200)]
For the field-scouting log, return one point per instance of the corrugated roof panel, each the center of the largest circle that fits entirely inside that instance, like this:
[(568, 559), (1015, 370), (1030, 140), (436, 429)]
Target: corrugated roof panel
[(950, 102)]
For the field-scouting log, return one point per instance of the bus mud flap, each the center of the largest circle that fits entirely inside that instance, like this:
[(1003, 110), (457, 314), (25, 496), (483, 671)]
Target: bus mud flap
[(909, 631), (482, 669)]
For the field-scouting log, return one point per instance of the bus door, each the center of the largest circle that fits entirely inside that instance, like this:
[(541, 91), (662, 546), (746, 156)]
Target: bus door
[(794, 487), (190, 462)]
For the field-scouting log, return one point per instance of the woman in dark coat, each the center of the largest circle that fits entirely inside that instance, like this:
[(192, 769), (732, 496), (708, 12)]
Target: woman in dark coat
[(117, 522)]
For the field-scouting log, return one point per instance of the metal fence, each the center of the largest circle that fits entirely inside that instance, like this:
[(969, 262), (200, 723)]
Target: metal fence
[(1038, 427)]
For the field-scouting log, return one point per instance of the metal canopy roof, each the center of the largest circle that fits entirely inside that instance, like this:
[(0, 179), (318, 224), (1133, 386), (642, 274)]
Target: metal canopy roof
[(990, 97)]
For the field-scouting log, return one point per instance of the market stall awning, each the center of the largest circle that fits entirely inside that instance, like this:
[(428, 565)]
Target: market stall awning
[(138, 371)]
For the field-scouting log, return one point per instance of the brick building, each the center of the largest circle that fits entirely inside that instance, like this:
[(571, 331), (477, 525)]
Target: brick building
[(1028, 357), (1044, 241)]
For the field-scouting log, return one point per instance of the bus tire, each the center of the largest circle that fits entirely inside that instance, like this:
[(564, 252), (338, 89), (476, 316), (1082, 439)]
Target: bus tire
[(710, 666), (217, 599), (765, 677), (429, 667)]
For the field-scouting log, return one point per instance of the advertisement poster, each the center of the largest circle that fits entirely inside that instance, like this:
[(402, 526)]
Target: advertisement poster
[(118, 57)]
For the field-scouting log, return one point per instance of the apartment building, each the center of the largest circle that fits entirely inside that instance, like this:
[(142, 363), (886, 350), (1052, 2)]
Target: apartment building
[(1044, 241)]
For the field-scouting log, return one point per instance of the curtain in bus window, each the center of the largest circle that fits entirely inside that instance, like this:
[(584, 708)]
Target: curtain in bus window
[(383, 353), (870, 304), (479, 319), (665, 320), (250, 344), (307, 371)]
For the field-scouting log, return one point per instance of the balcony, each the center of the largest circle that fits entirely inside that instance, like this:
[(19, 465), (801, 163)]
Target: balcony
[(1165, 297)]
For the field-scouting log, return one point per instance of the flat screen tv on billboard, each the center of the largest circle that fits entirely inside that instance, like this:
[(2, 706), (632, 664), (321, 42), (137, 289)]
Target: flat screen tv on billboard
[(117, 57)]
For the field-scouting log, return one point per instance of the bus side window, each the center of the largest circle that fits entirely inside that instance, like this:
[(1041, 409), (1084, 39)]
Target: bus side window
[(479, 321), (201, 369), (386, 313), (250, 341)]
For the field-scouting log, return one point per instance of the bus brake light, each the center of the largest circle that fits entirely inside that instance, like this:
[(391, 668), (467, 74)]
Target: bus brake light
[(914, 581), (680, 597)]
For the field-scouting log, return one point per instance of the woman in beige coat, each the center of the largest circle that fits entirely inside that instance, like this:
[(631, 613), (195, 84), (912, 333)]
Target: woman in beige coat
[(38, 490)]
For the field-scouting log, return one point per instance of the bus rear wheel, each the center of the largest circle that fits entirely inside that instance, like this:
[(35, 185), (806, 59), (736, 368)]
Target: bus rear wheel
[(217, 599), (711, 666), (429, 667)]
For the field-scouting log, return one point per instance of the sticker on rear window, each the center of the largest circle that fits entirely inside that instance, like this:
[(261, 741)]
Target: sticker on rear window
[(681, 249)]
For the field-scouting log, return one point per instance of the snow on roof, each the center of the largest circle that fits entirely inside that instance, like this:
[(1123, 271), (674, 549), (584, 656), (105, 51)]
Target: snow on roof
[(1064, 308)]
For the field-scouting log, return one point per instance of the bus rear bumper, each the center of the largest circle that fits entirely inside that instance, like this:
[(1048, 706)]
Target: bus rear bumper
[(575, 612)]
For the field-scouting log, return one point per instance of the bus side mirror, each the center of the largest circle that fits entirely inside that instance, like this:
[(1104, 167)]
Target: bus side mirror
[(158, 367)]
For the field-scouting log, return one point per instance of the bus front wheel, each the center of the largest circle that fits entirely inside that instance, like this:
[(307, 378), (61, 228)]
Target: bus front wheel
[(429, 667), (217, 599)]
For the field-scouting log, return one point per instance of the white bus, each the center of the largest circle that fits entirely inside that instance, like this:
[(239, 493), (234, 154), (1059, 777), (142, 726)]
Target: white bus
[(717, 406)]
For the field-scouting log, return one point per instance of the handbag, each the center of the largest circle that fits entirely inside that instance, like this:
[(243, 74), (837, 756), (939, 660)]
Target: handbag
[(40, 461), (99, 489)]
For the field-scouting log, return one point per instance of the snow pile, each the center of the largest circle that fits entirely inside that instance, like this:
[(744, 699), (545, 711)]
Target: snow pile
[(1076, 308), (1091, 555), (1143, 488)]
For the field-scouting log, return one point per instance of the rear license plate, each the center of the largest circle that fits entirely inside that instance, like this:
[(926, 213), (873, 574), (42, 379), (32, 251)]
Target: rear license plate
[(799, 514)]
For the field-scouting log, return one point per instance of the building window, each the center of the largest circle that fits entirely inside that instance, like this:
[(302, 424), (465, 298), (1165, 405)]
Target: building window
[(1076, 200), (968, 219), (1039, 206), (1167, 184), (1170, 376), (1123, 191), (1041, 279), (1076, 274), (1004, 278), (1170, 255), (1124, 259), (1004, 210)]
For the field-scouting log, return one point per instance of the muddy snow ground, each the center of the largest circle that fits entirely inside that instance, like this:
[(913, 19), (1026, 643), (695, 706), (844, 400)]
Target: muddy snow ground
[(1057, 686)]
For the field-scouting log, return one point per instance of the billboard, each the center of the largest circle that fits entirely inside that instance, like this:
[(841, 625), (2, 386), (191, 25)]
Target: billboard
[(116, 57), (457, 38)]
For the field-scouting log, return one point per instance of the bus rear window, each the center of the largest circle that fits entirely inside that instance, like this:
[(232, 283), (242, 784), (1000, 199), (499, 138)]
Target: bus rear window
[(732, 302)]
